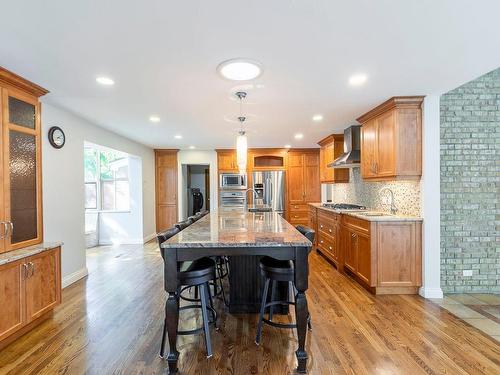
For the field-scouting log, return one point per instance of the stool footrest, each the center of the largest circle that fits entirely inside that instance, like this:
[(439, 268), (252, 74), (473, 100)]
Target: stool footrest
[(278, 325)]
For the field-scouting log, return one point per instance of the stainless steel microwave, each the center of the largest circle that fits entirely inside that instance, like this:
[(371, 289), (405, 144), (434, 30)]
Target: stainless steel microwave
[(233, 181)]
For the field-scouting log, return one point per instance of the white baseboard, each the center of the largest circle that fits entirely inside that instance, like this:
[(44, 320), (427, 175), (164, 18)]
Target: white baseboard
[(431, 292), (149, 237), (74, 277)]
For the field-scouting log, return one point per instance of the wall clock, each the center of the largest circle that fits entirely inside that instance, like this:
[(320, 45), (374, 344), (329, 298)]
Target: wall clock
[(56, 137)]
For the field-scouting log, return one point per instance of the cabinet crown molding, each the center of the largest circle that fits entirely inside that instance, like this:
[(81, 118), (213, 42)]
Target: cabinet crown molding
[(331, 138), (394, 102), (12, 79)]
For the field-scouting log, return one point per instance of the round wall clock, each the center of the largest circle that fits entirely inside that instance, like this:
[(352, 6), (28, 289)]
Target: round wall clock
[(56, 137)]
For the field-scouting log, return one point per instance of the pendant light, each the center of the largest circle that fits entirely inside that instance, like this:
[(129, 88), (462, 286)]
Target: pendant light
[(241, 139)]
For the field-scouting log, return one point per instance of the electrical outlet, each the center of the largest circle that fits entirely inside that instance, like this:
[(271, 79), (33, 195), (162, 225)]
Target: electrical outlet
[(467, 272)]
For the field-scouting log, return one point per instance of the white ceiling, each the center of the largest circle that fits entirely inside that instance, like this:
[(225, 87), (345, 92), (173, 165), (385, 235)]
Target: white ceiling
[(163, 56)]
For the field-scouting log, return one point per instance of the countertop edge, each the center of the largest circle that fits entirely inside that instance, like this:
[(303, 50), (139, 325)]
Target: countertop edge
[(14, 255), (389, 218)]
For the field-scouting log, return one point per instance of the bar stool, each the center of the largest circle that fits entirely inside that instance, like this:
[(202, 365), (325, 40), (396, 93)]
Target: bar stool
[(278, 270), (184, 224), (196, 274)]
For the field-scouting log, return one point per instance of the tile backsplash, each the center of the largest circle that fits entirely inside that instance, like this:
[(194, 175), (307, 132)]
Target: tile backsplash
[(357, 191)]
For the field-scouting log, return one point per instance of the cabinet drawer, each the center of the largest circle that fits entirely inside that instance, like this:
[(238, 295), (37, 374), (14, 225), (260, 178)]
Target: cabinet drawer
[(328, 216), (356, 224), (299, 207), (327, 245), (299, 216)]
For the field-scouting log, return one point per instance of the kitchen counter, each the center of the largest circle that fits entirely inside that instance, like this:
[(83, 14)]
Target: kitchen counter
[(373, 215), (12, 256)]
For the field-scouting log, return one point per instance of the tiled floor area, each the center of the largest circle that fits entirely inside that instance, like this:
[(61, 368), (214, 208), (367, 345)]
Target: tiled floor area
[(481, 311)]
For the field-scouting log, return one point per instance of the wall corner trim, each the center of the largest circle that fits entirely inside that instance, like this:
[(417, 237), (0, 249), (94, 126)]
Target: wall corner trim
[(431, 292), (74, 277)]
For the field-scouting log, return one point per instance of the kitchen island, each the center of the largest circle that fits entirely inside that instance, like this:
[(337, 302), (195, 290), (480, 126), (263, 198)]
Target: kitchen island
[(237, 234)]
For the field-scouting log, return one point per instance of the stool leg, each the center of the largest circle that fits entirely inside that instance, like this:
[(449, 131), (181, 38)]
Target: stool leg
[(163, 335), (273, 295), (203, 291), (220, 272), (211, 305), (261, 314), (196, 292)]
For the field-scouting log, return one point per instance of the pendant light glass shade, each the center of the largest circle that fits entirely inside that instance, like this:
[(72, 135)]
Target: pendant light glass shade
[(241, 151)]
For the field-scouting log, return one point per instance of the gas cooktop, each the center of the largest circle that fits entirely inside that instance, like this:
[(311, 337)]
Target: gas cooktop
[(343, 206)]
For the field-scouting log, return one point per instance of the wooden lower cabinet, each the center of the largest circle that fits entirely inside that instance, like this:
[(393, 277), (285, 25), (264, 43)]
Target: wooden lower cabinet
[(12, 298), (383, 256), (29, 289), (313, 224)]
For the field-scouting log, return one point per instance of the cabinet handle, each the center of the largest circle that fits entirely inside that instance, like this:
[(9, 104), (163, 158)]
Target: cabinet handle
[(321, 225), (32, 267), (25, 267), (321, 241), (330, 230), (353, 235), (11, 228), (330, 247)]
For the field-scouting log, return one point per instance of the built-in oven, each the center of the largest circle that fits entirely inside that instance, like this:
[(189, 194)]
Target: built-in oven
[(233, 200), (233, 181)]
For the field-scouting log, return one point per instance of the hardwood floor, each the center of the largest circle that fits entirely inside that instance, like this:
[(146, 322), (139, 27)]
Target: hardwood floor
[(110, 323)]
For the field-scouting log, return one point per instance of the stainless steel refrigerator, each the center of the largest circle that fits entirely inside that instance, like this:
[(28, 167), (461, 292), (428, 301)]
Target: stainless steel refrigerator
[(270, 189)]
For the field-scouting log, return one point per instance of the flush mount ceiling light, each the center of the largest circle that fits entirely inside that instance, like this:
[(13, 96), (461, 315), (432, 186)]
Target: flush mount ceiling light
[(288, 146), (178, 136), (299, 136), (106, 81), (317, 118), (154, 119), (357, 79), (192, 147), (240, 69)]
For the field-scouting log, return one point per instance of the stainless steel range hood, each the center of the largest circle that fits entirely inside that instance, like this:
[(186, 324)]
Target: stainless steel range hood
[(351, 158)]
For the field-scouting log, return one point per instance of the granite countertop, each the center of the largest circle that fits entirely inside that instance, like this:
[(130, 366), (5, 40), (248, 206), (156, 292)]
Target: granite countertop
[(374, 214), (239, 229), (14, 255)]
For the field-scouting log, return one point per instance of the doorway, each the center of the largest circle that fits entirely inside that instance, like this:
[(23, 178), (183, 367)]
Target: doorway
[(197, 188)]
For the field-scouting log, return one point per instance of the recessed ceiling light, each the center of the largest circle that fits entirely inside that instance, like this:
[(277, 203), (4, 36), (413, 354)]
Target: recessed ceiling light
[(192, 147), (357, 79), (154, 119), (178, 136), (288, 146), (299, 136), (106, 81), (317, 118), (240, 69)]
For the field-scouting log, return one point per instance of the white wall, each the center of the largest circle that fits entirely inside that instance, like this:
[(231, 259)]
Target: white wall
[(125, 227), (63, 185), (431, 200), (196, 157)]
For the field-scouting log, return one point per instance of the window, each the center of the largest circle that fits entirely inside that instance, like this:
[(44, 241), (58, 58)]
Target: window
[(106, 180)]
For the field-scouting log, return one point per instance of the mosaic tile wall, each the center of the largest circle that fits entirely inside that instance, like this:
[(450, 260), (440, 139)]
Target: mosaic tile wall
[(357, 191)]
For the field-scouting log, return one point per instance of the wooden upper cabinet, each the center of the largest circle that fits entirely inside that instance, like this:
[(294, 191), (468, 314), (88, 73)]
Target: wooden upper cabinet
[(391, 140), (331, 148), (303, 177), (267, 159), (20, 145), (166, 188), (226, 160)]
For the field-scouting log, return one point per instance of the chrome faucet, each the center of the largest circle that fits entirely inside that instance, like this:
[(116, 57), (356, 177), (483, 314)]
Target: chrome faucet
[(393, 207), (256, 195)]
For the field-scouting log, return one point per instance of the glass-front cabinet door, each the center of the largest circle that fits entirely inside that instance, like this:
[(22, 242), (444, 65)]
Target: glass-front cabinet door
[(22, 170)]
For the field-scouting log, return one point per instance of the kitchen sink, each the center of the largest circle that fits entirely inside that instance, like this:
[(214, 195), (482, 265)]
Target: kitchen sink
[(374, 214), (260, 209)]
